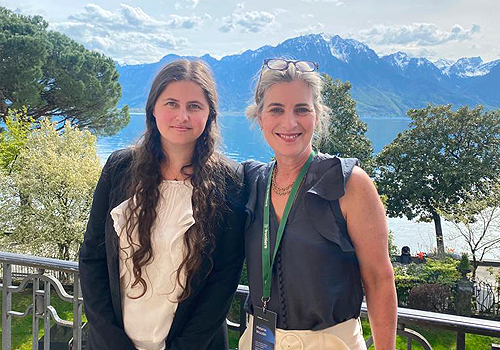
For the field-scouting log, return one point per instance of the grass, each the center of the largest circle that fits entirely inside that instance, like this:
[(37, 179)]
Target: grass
[(439, 339), (21, 327)]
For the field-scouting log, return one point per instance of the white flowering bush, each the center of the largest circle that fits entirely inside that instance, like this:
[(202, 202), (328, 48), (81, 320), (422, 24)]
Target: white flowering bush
[(46, 200)]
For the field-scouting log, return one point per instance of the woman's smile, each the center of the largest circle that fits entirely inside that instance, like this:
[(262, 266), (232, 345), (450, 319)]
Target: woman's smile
[(288, 137)]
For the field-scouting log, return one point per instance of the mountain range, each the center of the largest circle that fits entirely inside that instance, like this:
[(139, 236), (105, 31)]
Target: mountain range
[(383, 86)]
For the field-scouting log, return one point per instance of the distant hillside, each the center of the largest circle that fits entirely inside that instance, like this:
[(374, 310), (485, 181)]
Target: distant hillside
[(382, 86)]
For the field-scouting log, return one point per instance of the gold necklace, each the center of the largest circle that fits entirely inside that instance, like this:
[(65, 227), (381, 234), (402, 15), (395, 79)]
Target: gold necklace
[(280, 191)]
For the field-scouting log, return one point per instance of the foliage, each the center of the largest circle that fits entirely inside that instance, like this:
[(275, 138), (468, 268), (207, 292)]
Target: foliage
[(477, 222), (440, 271), (437, 163), (54, 76), (464, 264), (13, 138), (404, 284), (392, 248), (47, 203), (345, 133), (430, 297)]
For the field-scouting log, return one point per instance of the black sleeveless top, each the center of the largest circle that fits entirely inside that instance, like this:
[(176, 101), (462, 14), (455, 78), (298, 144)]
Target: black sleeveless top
[(316, 281)]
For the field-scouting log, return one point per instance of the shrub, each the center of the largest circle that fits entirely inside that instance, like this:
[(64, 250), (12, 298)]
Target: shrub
[(430, 297), (404, 284), (434, 271), (440, 271), (464, 266)]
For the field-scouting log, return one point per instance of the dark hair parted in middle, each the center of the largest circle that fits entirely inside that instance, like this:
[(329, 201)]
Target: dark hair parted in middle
[(208, 178)]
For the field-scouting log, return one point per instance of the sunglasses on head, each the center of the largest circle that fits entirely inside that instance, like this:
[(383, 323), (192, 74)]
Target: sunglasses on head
[(281, 64)]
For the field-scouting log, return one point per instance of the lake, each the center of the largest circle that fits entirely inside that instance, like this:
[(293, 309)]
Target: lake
[(242, 141)]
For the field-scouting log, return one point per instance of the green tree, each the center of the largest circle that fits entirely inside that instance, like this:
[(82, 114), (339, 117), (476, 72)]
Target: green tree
[(13, 138), (54, 76), (438, 162), (477, 222), (345, 133), (56, 173)]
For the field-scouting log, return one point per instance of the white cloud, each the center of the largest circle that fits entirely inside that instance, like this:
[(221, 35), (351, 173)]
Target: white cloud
[(416, 52), (26, 10), (279, 11), (307, 15), (421, 34), (192, 3), (188, 4), (312, 29), (247, 21), (425, 52), (127, 18), (129, 35), (335, 2), (185, 22)]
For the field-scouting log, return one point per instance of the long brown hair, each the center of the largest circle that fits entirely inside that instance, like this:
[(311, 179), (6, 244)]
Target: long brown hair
[(208, 179)]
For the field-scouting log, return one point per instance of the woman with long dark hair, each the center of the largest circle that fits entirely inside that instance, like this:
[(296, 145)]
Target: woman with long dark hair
[(163, 249)]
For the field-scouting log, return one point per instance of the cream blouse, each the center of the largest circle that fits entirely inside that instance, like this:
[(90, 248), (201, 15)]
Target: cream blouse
[(147, 320)]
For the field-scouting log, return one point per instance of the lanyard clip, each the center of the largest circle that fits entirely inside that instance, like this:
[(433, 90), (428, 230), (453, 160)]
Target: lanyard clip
[(264, 303)]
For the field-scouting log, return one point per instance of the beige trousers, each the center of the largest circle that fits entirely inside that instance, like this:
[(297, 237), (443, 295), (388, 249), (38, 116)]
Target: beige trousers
[(347, 335)]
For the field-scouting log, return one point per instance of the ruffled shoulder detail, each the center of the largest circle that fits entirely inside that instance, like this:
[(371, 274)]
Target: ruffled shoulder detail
[(119, 223), (119, 218), (330, 175)]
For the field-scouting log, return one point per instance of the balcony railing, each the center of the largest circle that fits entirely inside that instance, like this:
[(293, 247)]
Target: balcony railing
[(42, 274), (39, 272)]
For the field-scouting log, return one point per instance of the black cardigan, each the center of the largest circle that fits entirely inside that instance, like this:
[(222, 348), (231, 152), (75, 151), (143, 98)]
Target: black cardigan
[(199, 321)]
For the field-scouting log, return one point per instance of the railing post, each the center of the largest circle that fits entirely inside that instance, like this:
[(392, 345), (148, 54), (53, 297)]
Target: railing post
[(460, 340), (77, 313), (34, 323), (401, 328), (6, 307), (46, 315)]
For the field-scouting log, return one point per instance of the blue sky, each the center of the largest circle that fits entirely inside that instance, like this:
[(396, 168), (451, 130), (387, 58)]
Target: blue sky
[(137, 31)]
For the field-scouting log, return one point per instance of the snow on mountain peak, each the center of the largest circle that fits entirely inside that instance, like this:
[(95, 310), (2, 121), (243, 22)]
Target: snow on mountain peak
[(399, 59), (470, 67), (343, 48), (444, 65)]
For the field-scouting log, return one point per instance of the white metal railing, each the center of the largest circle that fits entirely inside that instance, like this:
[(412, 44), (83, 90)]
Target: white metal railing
[(43, 272), (40, 308)]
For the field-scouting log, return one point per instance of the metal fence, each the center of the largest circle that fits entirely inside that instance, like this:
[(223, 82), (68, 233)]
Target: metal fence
[(21, 271), (487, 298), (406, 319), (40, 274)]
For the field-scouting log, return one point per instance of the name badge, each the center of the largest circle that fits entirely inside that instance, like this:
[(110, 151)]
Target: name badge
[(264, 329)]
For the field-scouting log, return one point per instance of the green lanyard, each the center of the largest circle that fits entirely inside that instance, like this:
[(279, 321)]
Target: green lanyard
[(267, 263)]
